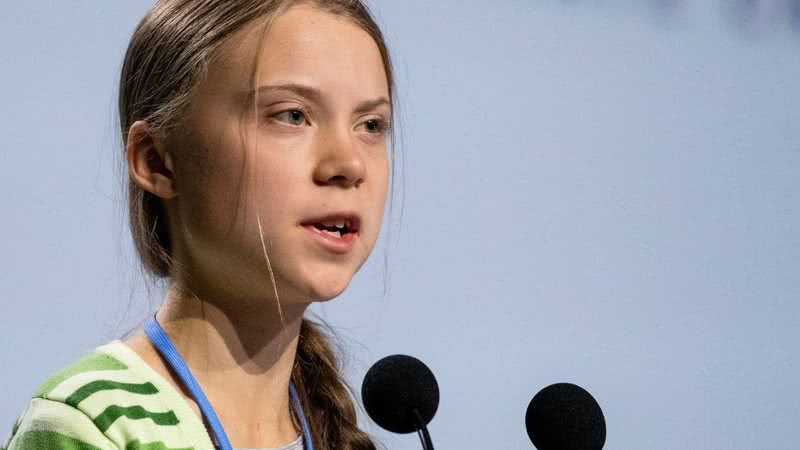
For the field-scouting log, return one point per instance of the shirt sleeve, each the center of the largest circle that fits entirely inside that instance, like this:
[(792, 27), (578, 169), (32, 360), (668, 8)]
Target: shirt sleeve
[(52, 425)]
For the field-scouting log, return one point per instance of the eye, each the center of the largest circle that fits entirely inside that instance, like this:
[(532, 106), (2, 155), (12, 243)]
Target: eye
[(376, 126), (294, 117)]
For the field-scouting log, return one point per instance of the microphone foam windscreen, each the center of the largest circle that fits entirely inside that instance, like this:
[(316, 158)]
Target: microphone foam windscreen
[(565, 416), (395, 386)]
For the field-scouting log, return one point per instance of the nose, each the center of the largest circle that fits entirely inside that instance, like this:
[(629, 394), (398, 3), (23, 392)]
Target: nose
[(340, 162)]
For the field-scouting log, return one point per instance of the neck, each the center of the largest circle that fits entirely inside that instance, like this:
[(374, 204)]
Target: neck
[(242, 355)]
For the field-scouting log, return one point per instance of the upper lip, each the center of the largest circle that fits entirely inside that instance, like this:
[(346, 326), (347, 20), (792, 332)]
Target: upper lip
[(351, 219)]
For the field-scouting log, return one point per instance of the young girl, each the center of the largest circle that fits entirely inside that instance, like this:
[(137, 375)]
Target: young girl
[(255, 140)]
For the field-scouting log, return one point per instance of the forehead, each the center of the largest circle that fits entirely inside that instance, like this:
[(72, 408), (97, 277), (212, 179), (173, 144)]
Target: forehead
[(304, 45)]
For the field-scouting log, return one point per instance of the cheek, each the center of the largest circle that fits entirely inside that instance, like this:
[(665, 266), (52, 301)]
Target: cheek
[(212, 188), (227, 175), (383, 181), (379, 197)]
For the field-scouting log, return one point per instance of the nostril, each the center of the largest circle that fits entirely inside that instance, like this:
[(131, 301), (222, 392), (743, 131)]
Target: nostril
[(339, 179)]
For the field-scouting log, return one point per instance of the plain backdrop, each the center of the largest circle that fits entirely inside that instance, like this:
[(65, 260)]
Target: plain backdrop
[(597, 192)]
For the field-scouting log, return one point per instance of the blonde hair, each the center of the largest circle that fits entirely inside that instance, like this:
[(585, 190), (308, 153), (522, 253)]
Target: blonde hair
[(168, 54)]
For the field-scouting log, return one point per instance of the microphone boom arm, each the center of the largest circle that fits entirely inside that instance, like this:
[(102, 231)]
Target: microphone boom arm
[(422, 430)]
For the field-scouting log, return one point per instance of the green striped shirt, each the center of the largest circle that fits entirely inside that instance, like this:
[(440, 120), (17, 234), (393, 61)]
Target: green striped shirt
[(108, 400)]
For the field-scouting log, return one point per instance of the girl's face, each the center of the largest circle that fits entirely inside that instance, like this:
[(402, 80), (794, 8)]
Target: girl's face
[(307, 143)]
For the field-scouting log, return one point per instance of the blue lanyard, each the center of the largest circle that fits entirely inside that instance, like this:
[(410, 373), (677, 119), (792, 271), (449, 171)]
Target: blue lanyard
[(164, 345)]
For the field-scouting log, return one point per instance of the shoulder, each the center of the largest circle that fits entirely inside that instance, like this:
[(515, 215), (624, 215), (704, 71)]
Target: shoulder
[(106, 400), (46, 424)]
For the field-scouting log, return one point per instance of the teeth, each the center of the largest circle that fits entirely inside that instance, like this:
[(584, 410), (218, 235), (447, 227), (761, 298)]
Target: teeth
[(338, 224)]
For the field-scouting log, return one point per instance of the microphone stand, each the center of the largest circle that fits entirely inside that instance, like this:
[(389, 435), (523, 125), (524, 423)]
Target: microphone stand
[(422, 431)]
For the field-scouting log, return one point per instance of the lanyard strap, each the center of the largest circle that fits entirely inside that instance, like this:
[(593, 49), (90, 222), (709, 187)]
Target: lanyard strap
[(164, 345)]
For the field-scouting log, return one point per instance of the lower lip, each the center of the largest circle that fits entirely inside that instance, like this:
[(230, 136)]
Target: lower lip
[(334, 244)]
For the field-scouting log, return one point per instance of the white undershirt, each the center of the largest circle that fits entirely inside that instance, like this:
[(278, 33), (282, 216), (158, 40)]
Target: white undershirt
[(297, 444)]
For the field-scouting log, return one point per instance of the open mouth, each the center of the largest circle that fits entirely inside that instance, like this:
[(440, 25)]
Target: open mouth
[(333, 230), (337, 225)]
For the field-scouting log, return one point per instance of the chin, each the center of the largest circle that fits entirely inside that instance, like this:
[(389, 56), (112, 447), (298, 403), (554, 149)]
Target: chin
[(324, 288), (326, 293)]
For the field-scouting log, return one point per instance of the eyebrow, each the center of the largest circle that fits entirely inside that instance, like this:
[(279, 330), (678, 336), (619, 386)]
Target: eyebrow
[(316, 95)]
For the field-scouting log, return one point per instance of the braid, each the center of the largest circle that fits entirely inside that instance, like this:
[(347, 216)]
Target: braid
[(326, 398)]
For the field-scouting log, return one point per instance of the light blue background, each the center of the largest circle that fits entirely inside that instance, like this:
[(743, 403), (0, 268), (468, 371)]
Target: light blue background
[(604, 193)]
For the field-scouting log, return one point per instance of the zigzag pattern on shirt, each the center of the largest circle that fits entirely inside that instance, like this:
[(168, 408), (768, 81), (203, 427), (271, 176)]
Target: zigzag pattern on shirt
[(95, 361), (136, 445), (114, 412), (103, 385), (121, 404)]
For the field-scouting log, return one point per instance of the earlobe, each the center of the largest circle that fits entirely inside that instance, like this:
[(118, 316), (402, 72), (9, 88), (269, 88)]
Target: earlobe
[(150, 166)]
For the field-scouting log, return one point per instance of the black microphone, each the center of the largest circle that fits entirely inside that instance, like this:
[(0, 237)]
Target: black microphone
[(564, 416), (401, 395)]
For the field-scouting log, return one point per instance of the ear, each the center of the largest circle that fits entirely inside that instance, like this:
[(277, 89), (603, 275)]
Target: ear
[(149, 164)]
